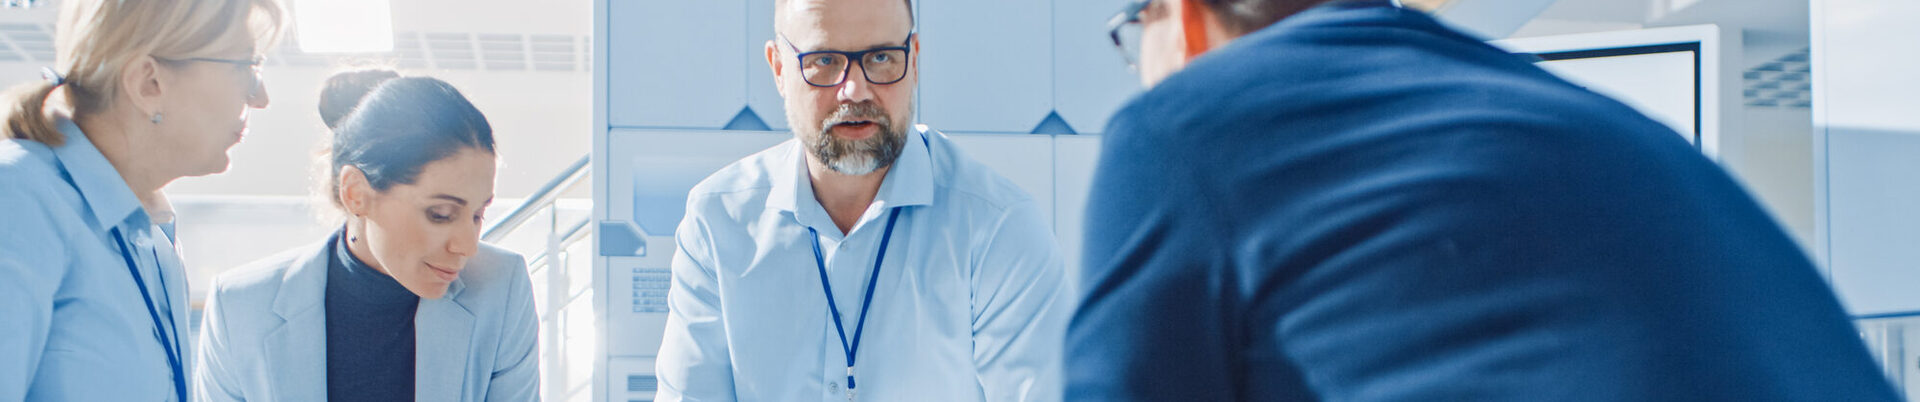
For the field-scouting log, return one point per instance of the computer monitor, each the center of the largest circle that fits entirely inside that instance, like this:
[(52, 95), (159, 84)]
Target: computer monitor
[(1670, 74)]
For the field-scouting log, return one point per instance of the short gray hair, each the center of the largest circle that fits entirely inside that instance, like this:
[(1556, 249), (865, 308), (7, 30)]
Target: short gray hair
[(781, 4)]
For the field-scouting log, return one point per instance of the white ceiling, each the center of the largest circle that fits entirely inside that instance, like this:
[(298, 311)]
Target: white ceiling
[(546, 16), (1599, 10), (1765, 19), (508, 35)]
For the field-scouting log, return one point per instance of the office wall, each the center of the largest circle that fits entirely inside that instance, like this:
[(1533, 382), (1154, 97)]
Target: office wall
[(1867, 151), (987, 66)]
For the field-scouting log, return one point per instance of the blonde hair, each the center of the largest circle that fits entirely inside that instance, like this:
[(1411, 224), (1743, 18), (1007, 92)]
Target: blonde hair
[(96, 39)]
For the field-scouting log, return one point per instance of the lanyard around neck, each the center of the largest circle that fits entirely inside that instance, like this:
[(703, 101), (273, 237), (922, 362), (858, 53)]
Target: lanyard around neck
[(873, 279), (168, 342)]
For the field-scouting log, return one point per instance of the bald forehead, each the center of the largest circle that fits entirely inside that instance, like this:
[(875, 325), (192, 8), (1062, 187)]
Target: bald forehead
[(842, 17)]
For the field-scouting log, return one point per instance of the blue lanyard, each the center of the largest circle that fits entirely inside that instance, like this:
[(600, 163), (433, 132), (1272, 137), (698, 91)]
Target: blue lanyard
[(169, 343), (820, 262)]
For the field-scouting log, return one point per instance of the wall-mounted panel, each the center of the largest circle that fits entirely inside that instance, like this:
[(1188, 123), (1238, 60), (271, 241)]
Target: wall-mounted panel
[(1091, 79), (1027, 160), (650, 171), (648, 174), (675, 63), (1074, 159), (761, 93), (1874, 179), (1866, 138), (986, 65)]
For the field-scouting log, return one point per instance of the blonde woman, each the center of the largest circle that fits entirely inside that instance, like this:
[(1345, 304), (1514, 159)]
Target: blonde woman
[(92, 292)]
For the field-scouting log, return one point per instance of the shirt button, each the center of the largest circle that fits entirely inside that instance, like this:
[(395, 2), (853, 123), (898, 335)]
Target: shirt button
[(833, 386)]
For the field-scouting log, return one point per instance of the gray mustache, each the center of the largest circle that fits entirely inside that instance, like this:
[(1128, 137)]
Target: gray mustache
[(858, 112)]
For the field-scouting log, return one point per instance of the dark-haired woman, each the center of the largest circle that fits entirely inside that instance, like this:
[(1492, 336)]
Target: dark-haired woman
[(403, 302)]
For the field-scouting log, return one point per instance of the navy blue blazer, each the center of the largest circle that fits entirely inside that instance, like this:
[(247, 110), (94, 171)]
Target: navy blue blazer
[(1360, 204)]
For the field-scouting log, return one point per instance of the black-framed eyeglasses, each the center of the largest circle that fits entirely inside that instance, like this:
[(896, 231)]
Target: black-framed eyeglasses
[(828, 68), (253, 67), (1124, 28)]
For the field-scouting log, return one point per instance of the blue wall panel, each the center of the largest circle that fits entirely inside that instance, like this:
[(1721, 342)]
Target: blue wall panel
[(1874, 179), (1867, 152), (1091, 80), (675, 63), (986, 65), (761, 93)]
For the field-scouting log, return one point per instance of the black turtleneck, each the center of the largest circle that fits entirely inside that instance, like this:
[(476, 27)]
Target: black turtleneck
[(370, 335)]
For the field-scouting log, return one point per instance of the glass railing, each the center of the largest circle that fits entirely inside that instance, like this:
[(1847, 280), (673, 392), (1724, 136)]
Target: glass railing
[(1894, 340), (549, 229)]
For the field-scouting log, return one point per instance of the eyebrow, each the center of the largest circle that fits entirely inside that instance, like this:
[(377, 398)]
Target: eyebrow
[(452, 199), (458, 200)]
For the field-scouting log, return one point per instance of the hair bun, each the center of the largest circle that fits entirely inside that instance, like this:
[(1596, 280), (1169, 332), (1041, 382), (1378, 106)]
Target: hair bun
[(344, 91)]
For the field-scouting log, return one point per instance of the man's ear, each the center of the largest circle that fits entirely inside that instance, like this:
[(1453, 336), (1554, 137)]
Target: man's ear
[(775, 63), (356, 193), (1194, 18), (913, 56)]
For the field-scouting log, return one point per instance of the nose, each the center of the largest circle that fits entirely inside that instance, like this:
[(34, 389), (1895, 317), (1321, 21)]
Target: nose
[(855, 88), (257, 97), (465, 243)]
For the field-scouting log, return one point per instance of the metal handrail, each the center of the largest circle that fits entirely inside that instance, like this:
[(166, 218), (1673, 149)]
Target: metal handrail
[(568, 300), (539, 199), (552, 260), (568, 238)]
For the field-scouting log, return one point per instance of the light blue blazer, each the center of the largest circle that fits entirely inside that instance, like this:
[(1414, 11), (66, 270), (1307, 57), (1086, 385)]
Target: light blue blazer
[(264, 334)]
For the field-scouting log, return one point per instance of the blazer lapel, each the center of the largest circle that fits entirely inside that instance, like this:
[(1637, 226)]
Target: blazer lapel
[(297, 350), (443, 336)]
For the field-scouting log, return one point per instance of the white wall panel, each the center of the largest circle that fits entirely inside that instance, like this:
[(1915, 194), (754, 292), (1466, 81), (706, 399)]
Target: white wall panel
[(1875, 190), (675, 63), (1091, 80), (1025, 159), (1074, 159), (761, 93), (986, 65), (1867, 152)]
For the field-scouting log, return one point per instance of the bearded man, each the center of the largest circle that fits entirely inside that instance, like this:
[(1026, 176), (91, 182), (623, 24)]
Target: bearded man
[(862, 240)]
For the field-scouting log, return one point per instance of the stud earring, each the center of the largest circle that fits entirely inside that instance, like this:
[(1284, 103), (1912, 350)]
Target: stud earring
[(156, 118)]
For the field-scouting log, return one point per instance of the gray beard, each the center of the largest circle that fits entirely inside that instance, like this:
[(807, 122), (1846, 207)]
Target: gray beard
[(858, 157)]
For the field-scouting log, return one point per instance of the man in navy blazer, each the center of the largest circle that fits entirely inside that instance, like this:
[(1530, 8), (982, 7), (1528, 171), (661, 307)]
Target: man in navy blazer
[(1347, 201)]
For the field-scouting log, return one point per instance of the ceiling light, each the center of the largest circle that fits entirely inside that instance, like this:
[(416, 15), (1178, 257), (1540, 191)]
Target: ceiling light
[(344, 26)]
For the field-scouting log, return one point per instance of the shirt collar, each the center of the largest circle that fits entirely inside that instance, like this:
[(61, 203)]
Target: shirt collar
[(909, 182), (102, 188)]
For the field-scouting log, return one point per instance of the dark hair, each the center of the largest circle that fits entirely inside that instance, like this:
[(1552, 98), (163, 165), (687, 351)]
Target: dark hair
[(345, 89), (400, 127), (1245, 16)]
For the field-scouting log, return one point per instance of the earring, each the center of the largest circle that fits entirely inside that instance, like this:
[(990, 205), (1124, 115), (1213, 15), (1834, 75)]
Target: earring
[(156, 118), (353, 239)]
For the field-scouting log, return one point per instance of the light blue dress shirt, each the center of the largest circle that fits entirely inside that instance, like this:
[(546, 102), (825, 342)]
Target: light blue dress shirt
[(969, 305), (75, 326)]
